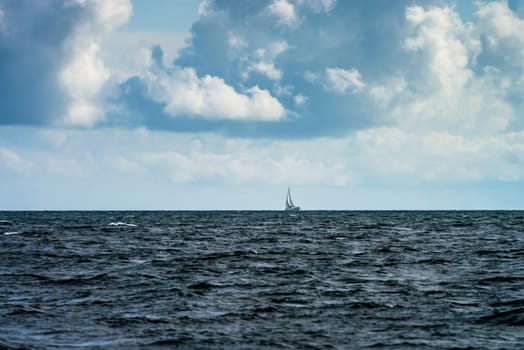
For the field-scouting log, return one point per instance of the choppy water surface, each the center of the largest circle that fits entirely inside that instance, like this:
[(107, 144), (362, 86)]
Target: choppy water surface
[(344, 280)]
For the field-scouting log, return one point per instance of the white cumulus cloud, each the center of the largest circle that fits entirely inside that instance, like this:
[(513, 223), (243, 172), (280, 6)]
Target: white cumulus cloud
[(452, 44), (263, 62), (503, 29), (284, 12), (447, 94), (184, 93), (84, 75), (235, 42), (300, 99), (342, 81), (205, 8), (266, 68), (287, 12), (391, 88)]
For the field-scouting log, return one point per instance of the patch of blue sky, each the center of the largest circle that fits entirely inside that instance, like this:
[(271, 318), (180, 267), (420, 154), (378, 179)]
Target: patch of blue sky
[(163, 15)]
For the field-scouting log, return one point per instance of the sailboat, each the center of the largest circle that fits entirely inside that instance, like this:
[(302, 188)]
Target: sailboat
[(290, 206)]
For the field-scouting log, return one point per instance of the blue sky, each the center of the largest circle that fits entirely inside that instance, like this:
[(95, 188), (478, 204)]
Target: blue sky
[(217, 104)]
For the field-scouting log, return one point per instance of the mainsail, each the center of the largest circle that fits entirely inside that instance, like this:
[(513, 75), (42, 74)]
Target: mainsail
[(289, 202)]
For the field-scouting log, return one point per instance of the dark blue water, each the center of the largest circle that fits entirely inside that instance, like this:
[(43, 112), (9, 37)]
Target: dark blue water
[(262, 280)]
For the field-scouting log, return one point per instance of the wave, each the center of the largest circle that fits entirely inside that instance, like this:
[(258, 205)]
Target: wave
[(120, 223), (101, 277), (27, 309), (511, 317), (173, 341), (502, 278), (130, 320), (11, 233)]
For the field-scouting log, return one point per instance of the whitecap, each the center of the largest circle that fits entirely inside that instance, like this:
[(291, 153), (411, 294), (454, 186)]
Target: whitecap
[(138, 261), (402, 229), (11, 233), (120, 223)]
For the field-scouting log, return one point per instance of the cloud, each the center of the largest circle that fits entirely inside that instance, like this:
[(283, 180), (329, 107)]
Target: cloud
[(352, 94), (13, 161), (49, 60), (82, 80), (361, 65), (124, 165), (242, 161), (85, 74), (502, 30), (387, 90), (183, 93), (205, 8), (448, 93), (244, 168), (266, 68), (2, 21), (128, 53), (69, 74), (64, 167), (57, 138), (318, 6), (438, 156), (233, 42), (263, 62), (31, 58), (451, 44), (236, 43), (342, 81), (300, 99), (372, 157), (501, 26), (338, 80), (284, 12)]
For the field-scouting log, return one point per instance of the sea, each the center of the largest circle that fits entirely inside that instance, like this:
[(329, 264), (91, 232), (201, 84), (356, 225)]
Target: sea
[(262, 280)]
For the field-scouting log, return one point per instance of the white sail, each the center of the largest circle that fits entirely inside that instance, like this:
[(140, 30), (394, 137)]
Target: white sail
[(289, 202), (290, 206)]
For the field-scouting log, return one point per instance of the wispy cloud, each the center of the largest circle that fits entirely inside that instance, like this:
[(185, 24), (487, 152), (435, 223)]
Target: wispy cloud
[(11, 160)]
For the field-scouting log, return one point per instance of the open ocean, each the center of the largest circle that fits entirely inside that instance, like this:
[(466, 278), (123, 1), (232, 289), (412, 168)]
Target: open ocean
[(262, 280)]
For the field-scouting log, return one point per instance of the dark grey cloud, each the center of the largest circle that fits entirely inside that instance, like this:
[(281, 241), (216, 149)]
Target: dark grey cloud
[(31, 55)]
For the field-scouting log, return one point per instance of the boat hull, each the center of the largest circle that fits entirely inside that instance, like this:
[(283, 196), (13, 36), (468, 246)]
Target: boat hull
[(293, 209)]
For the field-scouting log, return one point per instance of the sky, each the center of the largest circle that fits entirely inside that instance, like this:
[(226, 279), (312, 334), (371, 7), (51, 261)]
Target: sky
[(224, 104)]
